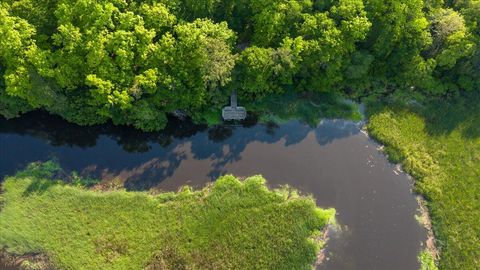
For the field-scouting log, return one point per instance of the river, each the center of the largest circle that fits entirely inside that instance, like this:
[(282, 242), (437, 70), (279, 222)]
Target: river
[(335, 162)]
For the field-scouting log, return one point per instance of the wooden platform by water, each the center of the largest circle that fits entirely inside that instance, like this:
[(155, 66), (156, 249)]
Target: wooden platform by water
[(234, 112)]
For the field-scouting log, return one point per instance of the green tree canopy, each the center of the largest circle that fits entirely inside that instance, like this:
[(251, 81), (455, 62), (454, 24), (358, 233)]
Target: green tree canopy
[(133, 62)]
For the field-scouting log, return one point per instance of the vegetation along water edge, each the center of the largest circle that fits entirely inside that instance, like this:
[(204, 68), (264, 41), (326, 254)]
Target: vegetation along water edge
[(229, 224), (438, 143)]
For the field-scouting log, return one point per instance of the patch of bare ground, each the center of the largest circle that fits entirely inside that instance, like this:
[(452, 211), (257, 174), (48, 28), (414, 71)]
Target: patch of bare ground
[(426, 222), (323, 238), (31, 261)]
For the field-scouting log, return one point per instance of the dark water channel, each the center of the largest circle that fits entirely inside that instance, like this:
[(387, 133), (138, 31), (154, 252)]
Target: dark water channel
[(336, 162)]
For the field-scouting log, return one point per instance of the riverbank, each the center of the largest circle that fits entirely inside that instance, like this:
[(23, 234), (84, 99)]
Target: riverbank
[(230, 222), (307, 107), (438, 143), (334, 161)]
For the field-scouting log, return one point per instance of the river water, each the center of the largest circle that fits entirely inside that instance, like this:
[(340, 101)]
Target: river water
[(335, 162)]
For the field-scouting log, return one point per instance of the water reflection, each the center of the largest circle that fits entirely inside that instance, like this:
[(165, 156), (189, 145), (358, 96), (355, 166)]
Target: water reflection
[(163, 155), (56, 132), (334, 162)]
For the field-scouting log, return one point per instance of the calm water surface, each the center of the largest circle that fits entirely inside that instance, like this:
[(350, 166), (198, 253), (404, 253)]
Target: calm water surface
[(336, 162)]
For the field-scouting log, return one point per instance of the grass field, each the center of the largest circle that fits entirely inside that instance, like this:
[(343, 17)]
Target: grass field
[(439, 144), (229, 224)]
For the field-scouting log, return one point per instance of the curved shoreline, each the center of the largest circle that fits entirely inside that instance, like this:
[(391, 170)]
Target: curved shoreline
[(424, 218), (338, 173)]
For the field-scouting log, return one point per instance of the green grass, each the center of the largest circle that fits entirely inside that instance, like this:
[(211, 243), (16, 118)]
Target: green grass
[(229, 224), (427, 262), (439, 144), (309, 108)]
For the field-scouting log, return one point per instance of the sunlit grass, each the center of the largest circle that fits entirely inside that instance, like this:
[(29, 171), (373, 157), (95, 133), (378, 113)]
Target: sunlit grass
[(439, 144), (229, 224)]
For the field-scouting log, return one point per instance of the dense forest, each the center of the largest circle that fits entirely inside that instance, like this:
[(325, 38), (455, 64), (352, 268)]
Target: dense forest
[(133, 61)]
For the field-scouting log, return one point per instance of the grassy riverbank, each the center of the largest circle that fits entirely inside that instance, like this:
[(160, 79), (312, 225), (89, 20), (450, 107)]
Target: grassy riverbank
[(230, 223), (308, 108), (439, 144)]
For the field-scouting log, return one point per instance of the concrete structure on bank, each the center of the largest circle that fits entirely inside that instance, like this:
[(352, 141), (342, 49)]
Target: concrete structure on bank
[(233, 112)]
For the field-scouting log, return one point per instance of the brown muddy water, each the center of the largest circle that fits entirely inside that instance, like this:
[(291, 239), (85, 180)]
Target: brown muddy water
[(335, 162)]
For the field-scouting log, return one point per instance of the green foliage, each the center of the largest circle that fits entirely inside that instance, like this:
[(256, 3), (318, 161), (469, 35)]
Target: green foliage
[(15, 45), (399, 35), (106, 58), (308, 108), (229, 224), (11, 107), (40, 170), (439, 144), (211, 117), (427, 261), (77, 180), (91, 61), (262, 71)]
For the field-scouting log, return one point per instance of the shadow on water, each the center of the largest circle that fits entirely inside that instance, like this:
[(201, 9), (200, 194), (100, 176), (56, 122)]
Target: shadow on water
[(151, 173), (334, 162), (222, 144), (57, 132)]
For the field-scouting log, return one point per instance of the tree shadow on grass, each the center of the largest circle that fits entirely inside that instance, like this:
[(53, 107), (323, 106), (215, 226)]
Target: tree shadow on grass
[(444, 116), (39, 186), (45, 175)]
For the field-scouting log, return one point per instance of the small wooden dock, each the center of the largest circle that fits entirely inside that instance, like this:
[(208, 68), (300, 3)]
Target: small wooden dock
[(234, 112)]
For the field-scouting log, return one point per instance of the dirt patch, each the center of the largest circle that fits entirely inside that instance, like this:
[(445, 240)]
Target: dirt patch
[(10, 261), (323, 237), (424, 219)]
